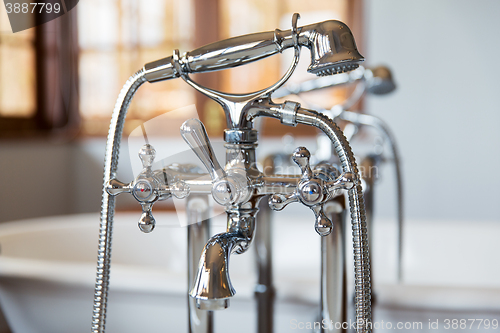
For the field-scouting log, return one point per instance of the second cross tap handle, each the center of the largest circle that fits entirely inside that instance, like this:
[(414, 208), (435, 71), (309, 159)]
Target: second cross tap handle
[(313, 191)]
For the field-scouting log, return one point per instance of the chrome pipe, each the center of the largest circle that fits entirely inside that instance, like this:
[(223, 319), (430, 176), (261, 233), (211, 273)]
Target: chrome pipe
[(197, 211), (333, 303), (321, 83), (264, 290)]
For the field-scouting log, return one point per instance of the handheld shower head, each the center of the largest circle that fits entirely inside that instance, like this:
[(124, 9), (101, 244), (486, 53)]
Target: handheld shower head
[(331, 43), (333, 49), (380, 82), (377, 81)]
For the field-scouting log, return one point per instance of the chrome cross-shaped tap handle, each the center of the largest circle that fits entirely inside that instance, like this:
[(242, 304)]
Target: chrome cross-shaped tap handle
[(313, 190), (148, 188)]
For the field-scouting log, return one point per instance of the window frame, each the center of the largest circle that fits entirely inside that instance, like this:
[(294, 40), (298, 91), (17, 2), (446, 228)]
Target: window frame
[(56, 43), (56, 83)]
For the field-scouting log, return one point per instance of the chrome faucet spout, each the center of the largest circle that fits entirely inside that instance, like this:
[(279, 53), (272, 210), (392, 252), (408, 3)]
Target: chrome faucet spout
[(212, 287)]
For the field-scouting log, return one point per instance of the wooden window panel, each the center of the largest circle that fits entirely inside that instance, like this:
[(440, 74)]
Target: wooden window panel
[(56, 84), (40, 83), (138, 32)]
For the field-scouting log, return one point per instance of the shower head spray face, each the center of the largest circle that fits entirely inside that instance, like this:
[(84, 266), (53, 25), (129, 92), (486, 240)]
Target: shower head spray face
[(333, 49), (336, 68)]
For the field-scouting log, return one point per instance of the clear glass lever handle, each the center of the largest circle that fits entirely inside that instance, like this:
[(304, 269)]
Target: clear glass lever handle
[(227, 187), (195, 135)]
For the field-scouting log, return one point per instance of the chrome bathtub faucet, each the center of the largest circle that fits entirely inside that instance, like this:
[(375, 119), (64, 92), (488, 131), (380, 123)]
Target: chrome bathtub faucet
[(239, 186)]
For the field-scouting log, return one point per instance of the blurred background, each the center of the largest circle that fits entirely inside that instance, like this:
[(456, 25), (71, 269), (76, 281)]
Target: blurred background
[(59, 82)]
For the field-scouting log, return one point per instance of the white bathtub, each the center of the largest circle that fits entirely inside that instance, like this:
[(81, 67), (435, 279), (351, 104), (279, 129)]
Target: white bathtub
[(47, 272)]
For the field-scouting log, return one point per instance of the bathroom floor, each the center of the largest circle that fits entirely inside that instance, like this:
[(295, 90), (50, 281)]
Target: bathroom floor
[(300, 316)]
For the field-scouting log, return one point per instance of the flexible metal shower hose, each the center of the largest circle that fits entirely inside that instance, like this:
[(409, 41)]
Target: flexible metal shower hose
[(358, 216), (108, 202), (343, 150)]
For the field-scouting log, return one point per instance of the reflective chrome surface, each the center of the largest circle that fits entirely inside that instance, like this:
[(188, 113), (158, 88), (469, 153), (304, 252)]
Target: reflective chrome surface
[(197, 211), (312, 191), (225, 243), (370, 162), (149, 187), (194, 133), (212, 286), (362, 273), (239, 186), (380, 81), (377, 80), (333, 291), (332, 46), (264, 289), (333, 304)]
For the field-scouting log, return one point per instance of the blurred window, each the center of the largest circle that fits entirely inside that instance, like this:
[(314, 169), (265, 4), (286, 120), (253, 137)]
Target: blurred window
[(116, 38), (247, 16), (17, 68), (38, 93), (41, 81), (17, 77)]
